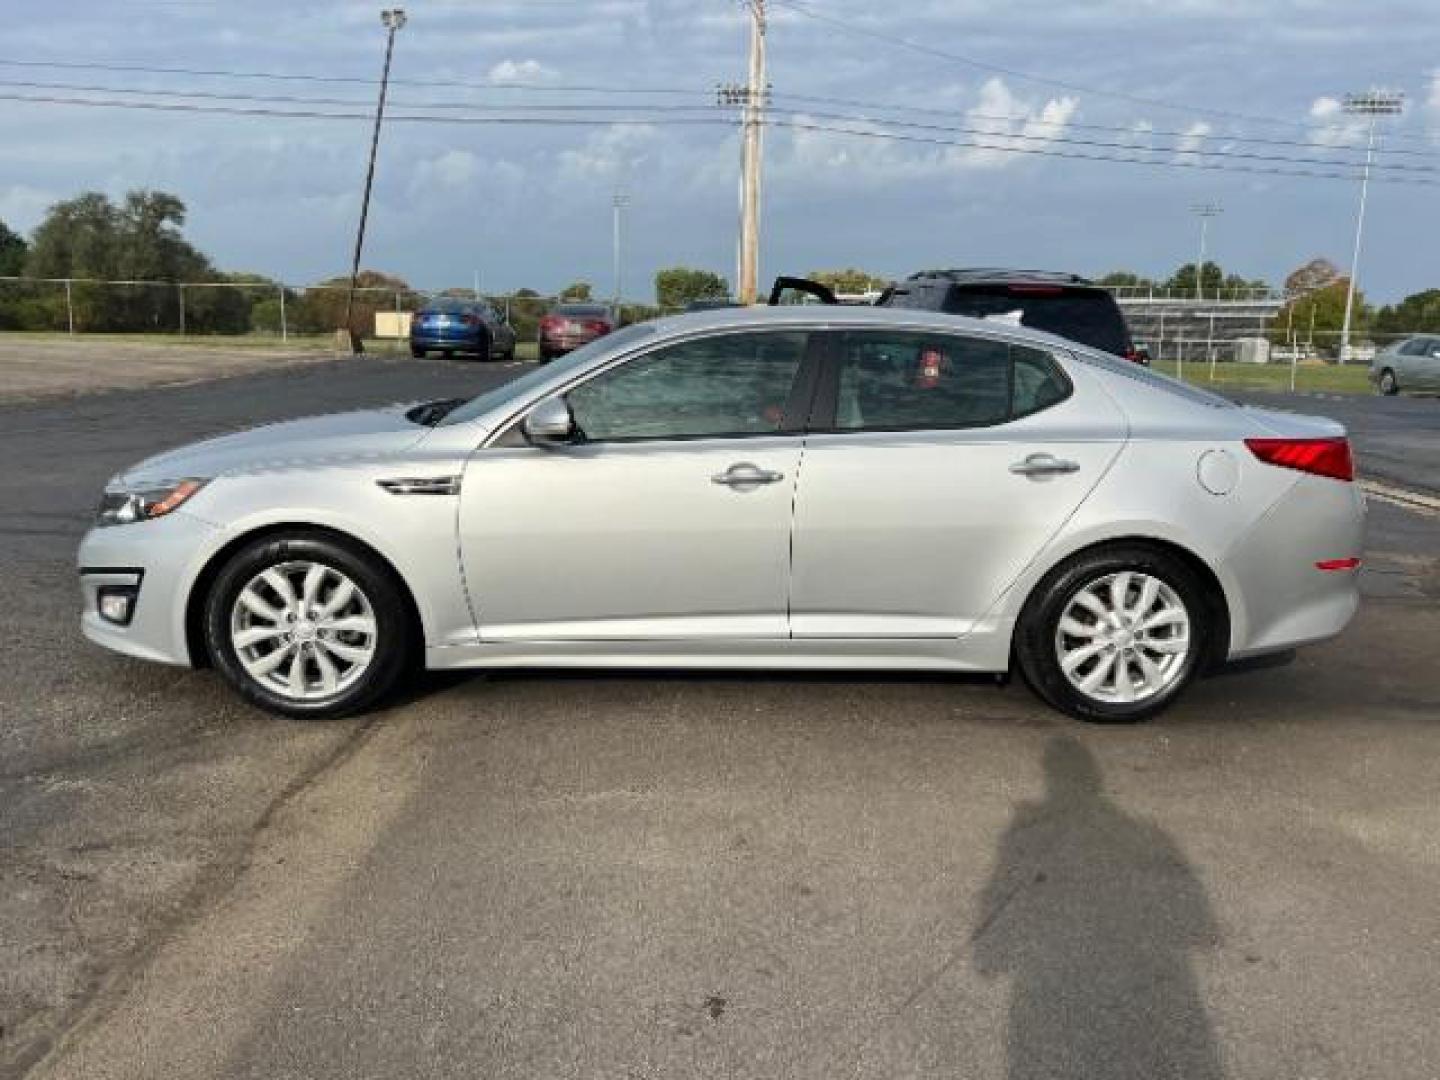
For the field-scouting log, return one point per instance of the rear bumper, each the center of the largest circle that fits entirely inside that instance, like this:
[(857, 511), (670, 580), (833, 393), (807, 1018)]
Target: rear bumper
[(467, 342), (1289, 599)]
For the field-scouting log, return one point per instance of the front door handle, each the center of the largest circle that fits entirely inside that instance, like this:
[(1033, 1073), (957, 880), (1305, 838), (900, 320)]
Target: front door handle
[(1044, 465), (743, 474)]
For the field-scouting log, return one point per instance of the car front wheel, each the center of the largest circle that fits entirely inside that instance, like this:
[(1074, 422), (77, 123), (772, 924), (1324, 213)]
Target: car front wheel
[(1387, 385), (1114, 635), (307, 626)]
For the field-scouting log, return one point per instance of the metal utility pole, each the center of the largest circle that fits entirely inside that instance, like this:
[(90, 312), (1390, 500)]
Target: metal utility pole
[(752, 99), (1204, 211), (392, 19), (1375, 104), (617, 207)]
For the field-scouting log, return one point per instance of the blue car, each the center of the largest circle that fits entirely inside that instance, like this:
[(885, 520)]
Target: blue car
[(448, 326)]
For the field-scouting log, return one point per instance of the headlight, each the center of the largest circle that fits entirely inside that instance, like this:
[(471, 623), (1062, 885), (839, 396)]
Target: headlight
[(122, 506)]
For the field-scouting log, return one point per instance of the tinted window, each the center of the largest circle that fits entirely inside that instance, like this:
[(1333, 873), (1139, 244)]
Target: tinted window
[(449, 305), (582, 311), (890, 381), (1089, 317), (546, 373), (731, 384), (1038, 382), (1417, 347)]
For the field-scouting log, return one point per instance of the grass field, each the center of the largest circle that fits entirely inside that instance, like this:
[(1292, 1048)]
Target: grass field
[(1327, 378)]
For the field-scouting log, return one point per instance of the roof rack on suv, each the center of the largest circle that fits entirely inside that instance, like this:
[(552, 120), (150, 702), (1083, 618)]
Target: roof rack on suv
[(986, 273)]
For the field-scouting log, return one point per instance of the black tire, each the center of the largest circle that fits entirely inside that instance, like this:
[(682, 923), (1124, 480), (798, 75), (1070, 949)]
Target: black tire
[(395, 635), (417, 352), (1036, 636), (1387, 385)]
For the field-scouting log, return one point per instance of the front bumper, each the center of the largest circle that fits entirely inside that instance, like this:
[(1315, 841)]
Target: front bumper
[(159, 560)]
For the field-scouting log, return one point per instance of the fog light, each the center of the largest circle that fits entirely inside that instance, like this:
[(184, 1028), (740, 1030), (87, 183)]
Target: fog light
[(116, 604)]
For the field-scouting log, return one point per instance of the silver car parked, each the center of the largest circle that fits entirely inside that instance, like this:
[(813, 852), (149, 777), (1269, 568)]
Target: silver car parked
[(1411, 364), (794, 487)]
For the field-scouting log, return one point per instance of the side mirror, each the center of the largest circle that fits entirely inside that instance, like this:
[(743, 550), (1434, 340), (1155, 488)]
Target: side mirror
[(550, 422)]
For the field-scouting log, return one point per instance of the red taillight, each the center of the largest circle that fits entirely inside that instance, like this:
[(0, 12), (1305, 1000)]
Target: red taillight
[(472, 319), (596, 326), (1351, 563), (549, 322), (1322, 457)]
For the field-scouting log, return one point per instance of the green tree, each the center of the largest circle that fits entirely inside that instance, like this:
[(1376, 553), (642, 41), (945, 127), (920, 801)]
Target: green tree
[(322, 305), (139, 240), (12, 252), (1126, 279), (1417, 313), (578, 291), (1326, 305), (849, 280), (526, 307), (677, 286)]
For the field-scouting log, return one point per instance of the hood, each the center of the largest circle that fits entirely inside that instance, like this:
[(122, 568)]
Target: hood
[(367, 433)]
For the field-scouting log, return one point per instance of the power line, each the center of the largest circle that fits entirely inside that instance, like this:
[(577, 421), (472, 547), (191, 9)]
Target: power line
[(222, 73), (1007, 138), (1012, 118), (589, 121), (1015, 73)]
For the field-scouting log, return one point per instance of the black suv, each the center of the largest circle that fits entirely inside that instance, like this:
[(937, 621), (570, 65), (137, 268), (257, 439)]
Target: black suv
[(1062, 304)]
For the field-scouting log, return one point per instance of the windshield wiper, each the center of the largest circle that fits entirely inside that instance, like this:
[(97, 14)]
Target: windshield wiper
[(432, 412)]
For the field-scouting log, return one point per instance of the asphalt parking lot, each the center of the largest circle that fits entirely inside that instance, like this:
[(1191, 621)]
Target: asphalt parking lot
[(635, 875)]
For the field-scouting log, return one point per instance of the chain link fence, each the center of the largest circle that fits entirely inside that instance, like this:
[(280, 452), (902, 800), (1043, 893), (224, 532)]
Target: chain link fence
[(259, 310)]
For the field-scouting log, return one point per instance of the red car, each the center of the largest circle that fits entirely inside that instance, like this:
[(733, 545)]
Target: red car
[(568, 326)]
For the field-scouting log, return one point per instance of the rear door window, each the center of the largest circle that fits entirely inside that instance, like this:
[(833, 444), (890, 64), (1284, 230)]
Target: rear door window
[(907, 380)]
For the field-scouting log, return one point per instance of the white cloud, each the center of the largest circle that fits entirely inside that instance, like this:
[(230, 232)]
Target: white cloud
[(1004, 121), (1192, 139), (523, 72), (1332, 126), (609, 154)]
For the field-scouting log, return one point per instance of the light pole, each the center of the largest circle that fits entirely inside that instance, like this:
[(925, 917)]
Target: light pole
[(392, 19), (617, 206), (1375, 104), (1204, 211)]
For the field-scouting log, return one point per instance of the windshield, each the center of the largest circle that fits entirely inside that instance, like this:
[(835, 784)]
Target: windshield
[(510, 391)]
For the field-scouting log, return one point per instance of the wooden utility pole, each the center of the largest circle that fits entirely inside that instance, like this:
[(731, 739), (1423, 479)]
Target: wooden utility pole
[(755, 93)]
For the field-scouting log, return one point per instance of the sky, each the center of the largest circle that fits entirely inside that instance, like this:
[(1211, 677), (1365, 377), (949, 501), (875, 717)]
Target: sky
[(1239, 83)]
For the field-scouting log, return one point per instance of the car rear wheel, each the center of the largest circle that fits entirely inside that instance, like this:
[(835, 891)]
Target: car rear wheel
[(308, 627), (1387, 385), (1114, 635), (417, 352)]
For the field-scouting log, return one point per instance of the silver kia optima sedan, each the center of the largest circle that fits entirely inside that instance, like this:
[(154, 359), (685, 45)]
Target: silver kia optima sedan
[(793, 487)]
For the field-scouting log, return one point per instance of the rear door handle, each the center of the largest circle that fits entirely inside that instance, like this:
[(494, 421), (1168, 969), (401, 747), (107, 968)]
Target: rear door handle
[(1044, 465), (744, 474)]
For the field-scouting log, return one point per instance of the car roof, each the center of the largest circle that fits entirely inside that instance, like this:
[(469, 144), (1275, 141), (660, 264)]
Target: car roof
[(859, 316), (985, 274)]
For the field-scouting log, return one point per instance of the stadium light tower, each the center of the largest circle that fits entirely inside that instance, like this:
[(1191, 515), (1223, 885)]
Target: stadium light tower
[(1374, 104), (392, 19), (1204, 211), (617, 207)]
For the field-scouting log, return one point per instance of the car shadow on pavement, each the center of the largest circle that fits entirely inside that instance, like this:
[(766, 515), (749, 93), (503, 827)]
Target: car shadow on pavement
[(1093, 915)]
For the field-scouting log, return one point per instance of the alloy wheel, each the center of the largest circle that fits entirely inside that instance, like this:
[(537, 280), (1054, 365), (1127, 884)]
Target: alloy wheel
[(1123, 638), (303, 630)]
